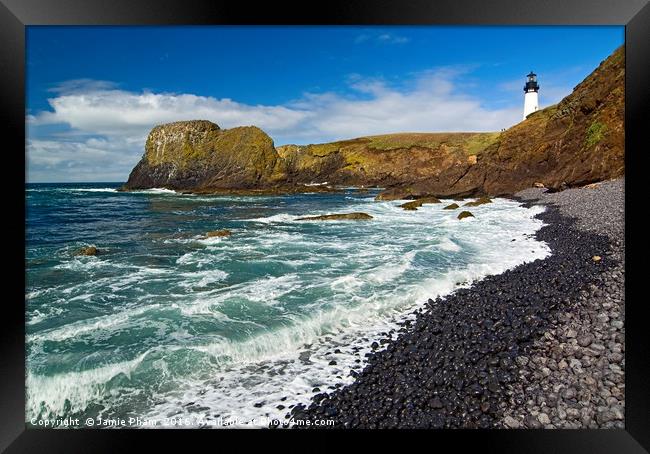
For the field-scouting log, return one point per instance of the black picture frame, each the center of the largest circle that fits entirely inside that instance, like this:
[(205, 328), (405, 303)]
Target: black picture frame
[(15, 15)]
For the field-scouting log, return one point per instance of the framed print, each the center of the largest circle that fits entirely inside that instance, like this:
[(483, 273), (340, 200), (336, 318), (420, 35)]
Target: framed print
[(380, 217)]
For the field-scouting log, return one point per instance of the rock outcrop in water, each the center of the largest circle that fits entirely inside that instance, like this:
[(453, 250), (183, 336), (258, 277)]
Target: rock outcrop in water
[(575, 142), (218, 233), (338, 217), (88, 250), (198, 155), (415, 204)]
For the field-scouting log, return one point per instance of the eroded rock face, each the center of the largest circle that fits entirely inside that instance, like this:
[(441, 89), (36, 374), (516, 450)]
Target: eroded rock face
[(198, 155), (573, 143), (383, 160)]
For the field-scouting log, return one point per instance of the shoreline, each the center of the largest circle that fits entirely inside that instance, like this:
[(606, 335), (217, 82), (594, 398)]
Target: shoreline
[(540, 345)]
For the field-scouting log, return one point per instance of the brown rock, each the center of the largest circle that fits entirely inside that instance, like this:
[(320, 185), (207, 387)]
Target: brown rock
[(477, 202), (576, 142), (415, 204), (217, 233), (453, 206), (338, 217), (465, 214), (198, 155), (88, 250)]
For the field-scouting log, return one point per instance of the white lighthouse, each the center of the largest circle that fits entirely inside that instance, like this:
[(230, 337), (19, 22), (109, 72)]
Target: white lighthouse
[(531, 99)]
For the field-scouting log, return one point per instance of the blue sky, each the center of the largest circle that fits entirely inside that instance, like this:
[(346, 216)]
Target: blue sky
[(93, 93)]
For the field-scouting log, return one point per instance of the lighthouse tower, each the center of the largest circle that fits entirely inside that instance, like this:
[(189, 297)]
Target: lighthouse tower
[(531, 101)]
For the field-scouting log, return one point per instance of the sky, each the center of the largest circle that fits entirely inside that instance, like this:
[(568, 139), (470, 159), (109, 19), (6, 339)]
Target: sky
[(94, 93)]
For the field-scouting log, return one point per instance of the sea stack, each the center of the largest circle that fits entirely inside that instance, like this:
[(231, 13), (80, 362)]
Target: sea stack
[(199, 155)]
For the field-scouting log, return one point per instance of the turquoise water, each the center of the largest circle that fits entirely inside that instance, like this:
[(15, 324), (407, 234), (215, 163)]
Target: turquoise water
[(165, 323)]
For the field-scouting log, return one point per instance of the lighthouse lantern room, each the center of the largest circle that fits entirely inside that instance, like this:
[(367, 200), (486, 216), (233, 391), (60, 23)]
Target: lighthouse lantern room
[(531, 100)]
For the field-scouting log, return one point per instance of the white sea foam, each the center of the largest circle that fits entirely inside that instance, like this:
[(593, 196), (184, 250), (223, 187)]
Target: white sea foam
[(264, 290), (202, 278), (391, 276), (448, 245), (83, 264), (282, 217), (48, 396), (242, 384), (83, 327), (91, 190), (156, 191)]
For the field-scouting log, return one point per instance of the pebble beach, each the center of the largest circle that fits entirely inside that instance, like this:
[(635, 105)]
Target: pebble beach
[(539, 346)]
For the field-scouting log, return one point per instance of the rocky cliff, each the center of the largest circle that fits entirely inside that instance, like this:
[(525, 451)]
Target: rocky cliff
[(195, 155), (384, 160), (577, 141)]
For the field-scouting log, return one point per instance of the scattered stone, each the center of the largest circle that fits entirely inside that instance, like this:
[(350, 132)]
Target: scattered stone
[(218, 233), (88, 250), (585, 340), (511, 422), (465, 214), (544, 419), (521, 360), (596, 258), (575, 363), (479, 201), (415, 204), (605, 416), (532, 422), (453, 206), (435, 403), (533, 347)]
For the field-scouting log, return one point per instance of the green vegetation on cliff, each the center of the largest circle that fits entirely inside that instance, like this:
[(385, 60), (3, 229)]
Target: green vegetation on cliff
[(595, 133), (198, 155), (577, 141)]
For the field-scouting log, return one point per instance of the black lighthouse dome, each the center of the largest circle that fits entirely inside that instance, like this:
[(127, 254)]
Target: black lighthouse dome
[(531, 84)]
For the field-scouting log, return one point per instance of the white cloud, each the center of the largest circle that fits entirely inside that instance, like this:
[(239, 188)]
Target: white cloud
[(108, 126), (82, 85), (85, 160), (382, 38)]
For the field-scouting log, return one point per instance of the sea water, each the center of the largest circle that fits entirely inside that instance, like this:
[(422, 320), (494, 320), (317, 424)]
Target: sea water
[(165, 323)]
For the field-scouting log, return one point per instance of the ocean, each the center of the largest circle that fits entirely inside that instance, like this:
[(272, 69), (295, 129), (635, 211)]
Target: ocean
[(167, 325)]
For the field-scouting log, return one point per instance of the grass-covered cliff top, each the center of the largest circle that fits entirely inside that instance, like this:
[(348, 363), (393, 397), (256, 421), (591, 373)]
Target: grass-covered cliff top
[(468, 143)]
